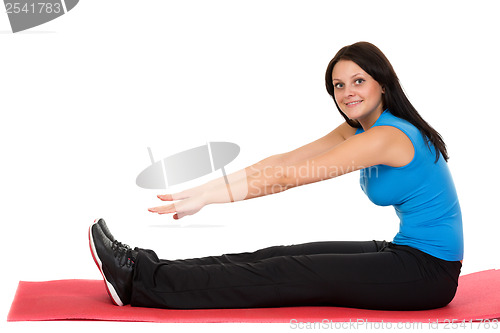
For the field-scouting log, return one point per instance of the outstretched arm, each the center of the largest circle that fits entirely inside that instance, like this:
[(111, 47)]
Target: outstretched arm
[(323, 144), (325, 158)]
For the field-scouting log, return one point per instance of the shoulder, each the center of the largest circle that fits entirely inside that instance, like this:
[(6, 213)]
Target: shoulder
[(393, 143)]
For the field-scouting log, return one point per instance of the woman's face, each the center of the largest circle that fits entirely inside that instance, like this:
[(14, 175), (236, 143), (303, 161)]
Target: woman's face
[(357, 94)]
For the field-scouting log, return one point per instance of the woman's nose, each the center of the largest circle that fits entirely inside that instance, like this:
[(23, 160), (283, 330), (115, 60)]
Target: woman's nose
[(347, 94), (348, 91)]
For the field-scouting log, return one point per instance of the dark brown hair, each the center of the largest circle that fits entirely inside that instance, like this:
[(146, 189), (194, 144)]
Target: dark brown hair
[(374, 62)]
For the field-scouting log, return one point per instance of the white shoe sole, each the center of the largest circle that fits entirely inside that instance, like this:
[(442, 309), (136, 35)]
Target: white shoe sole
[(109, 287)]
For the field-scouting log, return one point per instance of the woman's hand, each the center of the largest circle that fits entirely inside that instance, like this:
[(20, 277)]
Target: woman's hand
[(186, 205), (222, 190)]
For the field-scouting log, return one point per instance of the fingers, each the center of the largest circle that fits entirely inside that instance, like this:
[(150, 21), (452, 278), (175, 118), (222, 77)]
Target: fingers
[(174, 196), (163, 209), (165, 197)]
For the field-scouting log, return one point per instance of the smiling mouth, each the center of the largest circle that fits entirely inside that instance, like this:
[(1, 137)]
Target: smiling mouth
[(353, 103)]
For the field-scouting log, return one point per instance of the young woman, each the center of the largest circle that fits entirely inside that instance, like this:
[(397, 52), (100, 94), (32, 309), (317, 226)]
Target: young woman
[(403, 163)]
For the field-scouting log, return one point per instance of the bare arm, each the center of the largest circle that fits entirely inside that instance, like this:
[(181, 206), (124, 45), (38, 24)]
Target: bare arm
[(380, 145), (317, 147), (263, 178)]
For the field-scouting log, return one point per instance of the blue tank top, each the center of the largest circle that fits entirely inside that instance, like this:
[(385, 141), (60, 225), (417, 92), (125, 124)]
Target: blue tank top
[(422, 193)]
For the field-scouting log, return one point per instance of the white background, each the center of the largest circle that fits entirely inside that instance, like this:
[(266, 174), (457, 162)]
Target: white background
[(83, 96)]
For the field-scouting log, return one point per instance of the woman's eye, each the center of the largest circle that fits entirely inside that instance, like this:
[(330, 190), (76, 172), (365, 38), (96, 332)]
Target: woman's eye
[(359, 81), (339, 85)]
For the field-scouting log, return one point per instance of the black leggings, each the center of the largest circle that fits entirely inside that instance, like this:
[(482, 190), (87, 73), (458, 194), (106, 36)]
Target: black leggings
[(370, 275)]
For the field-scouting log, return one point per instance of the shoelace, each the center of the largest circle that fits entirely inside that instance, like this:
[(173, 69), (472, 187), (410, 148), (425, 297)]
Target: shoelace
[(123, 253)]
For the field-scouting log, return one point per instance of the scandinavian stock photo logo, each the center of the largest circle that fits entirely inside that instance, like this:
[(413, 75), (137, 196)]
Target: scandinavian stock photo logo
[(26, 14), (187, 165), (191, 164)]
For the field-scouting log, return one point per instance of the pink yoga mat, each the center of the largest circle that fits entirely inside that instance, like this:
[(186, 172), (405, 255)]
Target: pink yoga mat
[(477, 298)]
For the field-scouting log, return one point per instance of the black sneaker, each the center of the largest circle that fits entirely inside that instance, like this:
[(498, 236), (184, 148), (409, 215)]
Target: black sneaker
[(105, 229), (116, 263)]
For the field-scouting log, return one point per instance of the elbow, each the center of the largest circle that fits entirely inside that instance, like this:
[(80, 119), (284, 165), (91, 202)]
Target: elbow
[(285, 178), (279, 184), (285, 174), (275, 179)]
